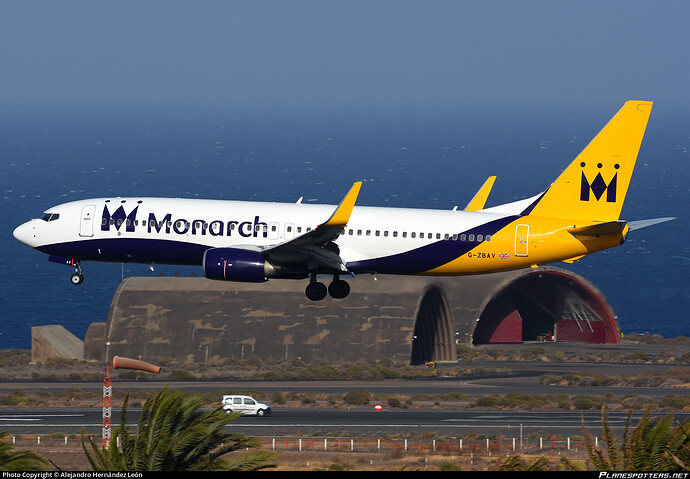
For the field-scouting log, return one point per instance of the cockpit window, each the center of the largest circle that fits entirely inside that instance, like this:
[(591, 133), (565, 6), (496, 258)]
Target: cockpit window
[(50, 216)]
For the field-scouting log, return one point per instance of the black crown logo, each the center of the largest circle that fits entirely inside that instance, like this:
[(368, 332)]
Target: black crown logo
[(599, 186)]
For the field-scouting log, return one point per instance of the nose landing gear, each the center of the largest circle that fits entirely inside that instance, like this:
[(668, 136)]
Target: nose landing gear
[(317, 291), (77, 277)]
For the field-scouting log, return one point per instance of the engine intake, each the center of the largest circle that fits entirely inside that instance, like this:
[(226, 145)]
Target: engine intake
[(233, 264)]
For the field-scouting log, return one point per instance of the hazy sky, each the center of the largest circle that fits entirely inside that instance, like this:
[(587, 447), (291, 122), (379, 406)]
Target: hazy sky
[(360, 53)]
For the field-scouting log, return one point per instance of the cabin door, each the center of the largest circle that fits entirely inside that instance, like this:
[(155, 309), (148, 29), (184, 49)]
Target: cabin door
[(521, 240), (87, 221)]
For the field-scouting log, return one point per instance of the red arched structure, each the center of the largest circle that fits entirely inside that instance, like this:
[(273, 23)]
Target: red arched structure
[(546, 305)]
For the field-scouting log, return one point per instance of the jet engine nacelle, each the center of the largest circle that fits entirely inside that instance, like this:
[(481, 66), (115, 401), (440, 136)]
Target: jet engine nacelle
[(233, 264)]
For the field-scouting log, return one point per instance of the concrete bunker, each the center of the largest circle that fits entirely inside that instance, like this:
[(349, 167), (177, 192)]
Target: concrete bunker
[(409, 319)]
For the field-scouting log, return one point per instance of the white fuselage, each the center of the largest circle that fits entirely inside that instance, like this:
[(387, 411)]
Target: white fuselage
[(178, 231)]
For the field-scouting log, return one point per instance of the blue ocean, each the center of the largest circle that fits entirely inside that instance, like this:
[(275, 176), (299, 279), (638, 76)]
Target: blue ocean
[(407, 157)]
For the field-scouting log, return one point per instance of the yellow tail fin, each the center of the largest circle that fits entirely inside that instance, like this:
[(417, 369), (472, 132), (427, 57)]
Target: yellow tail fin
[(594, 185)]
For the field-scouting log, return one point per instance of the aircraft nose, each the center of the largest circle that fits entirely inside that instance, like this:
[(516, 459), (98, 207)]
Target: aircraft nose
[(26, 233)]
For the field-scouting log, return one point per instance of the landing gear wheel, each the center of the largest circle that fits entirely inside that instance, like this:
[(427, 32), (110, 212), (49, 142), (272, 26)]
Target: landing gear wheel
[(339, 289), (316, 291), (77, 278)]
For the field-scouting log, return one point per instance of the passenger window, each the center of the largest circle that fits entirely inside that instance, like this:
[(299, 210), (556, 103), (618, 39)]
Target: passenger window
[(455, 237), (404, 234), (488, 237), (480, 238), (438, 235), (463, 237), (237, 400), (413, 235), (248, 401), (395, 234), (471, 238), (421, 235)]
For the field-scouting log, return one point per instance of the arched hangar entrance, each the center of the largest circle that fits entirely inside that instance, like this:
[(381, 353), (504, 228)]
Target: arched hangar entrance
[(546, 305), (542, 304), (432, 339)]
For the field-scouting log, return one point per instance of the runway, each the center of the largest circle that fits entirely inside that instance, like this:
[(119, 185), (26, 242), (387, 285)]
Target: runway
[(343, 422), (522, 377)]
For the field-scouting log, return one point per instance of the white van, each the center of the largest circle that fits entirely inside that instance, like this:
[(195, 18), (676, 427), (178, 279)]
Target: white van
[(247, 405)]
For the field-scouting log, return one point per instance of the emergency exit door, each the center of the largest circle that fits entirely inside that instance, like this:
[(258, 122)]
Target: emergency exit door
[(521, 240)]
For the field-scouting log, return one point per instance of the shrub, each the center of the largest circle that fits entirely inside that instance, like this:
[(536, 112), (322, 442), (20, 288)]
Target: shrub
[(357, 398), (583, 402)]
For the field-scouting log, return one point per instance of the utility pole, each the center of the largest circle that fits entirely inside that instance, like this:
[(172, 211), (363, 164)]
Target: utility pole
[(107, 397)]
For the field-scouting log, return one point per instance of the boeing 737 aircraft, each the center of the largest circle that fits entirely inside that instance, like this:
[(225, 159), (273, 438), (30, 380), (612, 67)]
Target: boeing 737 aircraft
[(253, 241)]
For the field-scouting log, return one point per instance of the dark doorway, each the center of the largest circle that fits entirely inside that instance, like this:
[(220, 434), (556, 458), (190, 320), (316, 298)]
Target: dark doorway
[(433, 332)]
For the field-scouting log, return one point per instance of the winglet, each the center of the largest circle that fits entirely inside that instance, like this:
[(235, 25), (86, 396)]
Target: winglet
[(342, 213), (477, 203)]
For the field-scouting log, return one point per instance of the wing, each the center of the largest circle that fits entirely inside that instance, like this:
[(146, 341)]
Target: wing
[(316, 247)]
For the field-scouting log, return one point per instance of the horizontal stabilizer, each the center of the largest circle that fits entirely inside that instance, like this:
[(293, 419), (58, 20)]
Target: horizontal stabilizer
[(599, 229), (477, 203), (614, 227), (636, 225)]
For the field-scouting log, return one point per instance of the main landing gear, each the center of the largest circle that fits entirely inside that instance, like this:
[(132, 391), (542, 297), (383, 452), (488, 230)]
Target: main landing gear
[(317, 291)]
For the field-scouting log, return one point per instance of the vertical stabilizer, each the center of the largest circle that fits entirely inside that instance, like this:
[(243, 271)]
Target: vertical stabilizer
[(594, 186)]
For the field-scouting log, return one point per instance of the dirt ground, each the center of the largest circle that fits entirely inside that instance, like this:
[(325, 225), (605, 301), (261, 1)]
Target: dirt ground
[(16, 365), (73, 458)]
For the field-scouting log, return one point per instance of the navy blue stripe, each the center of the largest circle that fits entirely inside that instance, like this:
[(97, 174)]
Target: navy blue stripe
[(430, 256), (529, 209), (130, 250), (133, 250)]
